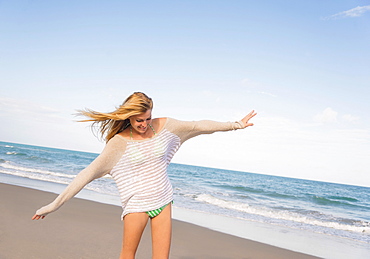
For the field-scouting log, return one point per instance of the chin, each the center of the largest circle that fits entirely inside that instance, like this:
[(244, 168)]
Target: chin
[(142, 130)]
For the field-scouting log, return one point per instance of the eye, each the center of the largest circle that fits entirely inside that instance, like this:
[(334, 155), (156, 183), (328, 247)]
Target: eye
[(141, 120)]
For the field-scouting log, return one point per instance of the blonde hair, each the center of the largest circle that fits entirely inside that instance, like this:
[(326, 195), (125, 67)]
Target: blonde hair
[(114, 122)]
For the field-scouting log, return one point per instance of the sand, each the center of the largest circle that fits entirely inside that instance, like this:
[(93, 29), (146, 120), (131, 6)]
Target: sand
[(87, 229)]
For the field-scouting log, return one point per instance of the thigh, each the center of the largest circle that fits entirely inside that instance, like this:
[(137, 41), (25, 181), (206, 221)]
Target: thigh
[(161, 226), (133, 228)]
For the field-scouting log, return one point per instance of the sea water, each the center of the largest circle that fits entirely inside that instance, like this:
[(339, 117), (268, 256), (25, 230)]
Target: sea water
[(311, 207)]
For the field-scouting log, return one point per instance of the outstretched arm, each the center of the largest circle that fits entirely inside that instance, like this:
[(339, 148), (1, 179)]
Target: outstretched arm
[(82, 179), (189, 129), (98, 168)]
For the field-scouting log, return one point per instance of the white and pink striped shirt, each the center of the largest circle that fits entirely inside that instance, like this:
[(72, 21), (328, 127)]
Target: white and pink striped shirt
[(141, 173)]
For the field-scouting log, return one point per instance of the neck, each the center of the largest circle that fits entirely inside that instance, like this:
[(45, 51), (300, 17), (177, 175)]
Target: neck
[(145, 135)]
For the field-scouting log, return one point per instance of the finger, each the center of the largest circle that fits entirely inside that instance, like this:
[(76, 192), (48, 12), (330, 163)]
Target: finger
[(37, 217), (249, 116), (252, 114)]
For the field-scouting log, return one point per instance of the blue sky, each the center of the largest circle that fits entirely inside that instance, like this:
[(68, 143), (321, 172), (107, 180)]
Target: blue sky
[(302, 65)]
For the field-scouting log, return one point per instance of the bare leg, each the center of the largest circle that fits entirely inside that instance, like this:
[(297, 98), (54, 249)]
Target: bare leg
[(161, 234), (133, 227)]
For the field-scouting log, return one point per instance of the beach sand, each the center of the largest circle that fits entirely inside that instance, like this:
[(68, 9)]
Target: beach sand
[(87, 229)]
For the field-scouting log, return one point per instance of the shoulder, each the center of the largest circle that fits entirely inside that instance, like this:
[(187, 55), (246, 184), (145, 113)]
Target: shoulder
[(117, 142), (167, 123), (175, 125)]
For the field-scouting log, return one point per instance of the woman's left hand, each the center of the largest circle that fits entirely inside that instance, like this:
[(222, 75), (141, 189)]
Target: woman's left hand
[(246, 119)]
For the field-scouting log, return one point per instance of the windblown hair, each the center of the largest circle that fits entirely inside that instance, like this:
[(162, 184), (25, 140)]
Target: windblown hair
[(114, 122)]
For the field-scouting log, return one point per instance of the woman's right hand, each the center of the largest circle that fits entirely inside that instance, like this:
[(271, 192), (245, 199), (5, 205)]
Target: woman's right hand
[(37, 217), (42, 212)]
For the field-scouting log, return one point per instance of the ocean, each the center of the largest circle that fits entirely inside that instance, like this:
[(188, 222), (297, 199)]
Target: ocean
[(332, 211)]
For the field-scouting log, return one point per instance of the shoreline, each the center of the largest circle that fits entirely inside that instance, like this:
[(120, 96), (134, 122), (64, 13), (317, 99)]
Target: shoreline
[(88, 229)]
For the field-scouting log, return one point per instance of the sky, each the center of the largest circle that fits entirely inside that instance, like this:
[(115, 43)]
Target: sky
[(303, 66)]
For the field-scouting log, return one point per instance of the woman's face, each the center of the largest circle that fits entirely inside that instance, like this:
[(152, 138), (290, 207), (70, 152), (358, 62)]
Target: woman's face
[(140, 123)]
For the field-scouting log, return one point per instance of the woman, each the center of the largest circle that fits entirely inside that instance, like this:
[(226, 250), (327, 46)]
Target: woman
[(136, 155)]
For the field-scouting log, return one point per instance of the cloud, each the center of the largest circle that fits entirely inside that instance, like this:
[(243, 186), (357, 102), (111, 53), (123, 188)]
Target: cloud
[(248, 83), (326, 116), (329, 116), (286, 147), (256, 87), (24, 110), (350, 118), (354, 12), (211, 95), (267, 93)]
